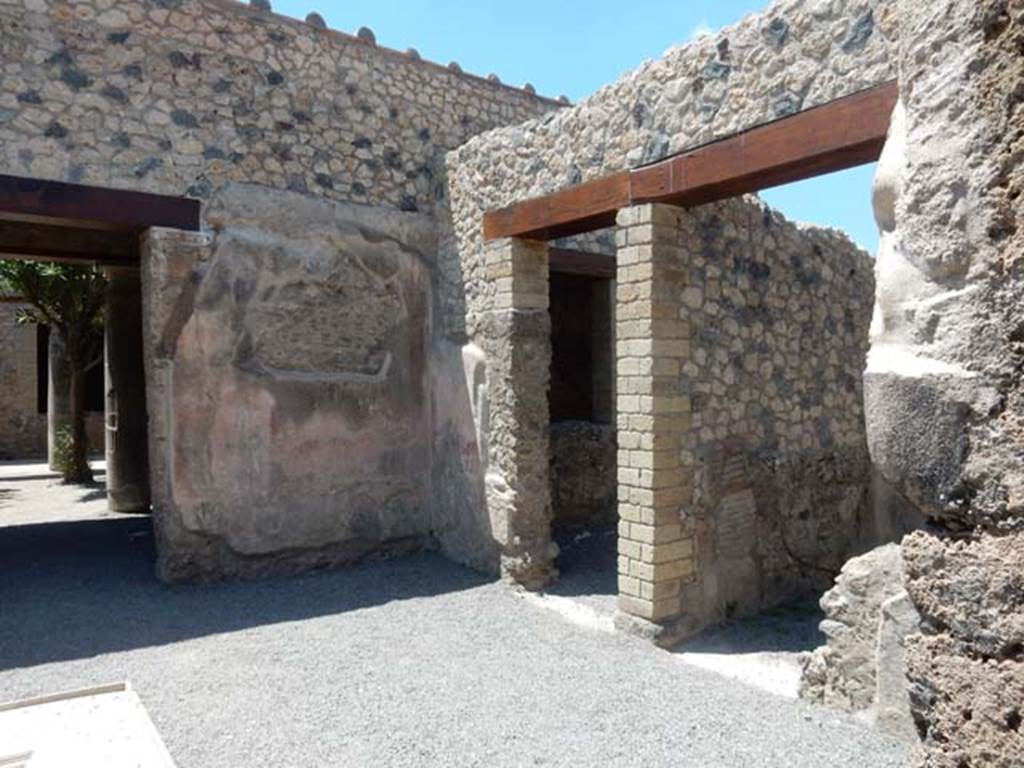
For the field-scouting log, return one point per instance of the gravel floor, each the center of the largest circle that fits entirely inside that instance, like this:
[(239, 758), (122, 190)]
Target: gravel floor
[(31, 493), (414, 662), (763, 651)]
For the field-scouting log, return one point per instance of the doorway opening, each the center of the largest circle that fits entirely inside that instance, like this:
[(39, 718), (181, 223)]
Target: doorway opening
[(740, 339), (581, 403)]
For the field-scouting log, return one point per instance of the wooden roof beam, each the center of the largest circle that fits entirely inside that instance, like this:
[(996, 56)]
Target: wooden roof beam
[(583, 208), (56, 202), (841, 134), (72, 245)]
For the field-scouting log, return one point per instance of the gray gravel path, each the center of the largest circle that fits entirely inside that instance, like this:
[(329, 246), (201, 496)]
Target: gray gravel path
[(414, 662), (31, 493)]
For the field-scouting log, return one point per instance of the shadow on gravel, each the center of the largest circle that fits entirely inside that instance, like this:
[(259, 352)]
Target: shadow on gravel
[(97, 491), (94, 491), (79, 589), (588, 568), (786, 629), (29, 476), (587, 562)]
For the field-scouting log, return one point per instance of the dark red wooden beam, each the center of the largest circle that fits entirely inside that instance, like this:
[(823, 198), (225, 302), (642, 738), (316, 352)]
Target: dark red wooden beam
[(45, 242), (841, 134), (567, 262), (583, 208), (56, 202)]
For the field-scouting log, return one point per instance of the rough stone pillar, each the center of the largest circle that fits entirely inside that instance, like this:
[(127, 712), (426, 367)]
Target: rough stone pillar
[(944, 387), (603, 336), (126, 450), (172, 266), (656, 549), (517, 340), (58, 398)]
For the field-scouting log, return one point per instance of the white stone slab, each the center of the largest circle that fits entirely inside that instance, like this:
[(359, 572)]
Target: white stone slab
[(105, 726)]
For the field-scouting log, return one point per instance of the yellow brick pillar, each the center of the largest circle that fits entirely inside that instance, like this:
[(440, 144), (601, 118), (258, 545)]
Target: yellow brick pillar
[(656, 548)]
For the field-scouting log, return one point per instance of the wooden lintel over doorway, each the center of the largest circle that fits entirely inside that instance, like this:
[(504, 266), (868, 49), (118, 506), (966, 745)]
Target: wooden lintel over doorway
[(563, 261), (67, 244), (583, 208), (57, 221), (63, 204), (833, 137)]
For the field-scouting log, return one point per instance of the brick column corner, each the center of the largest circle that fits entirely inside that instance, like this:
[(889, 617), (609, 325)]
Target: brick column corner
[(656, 550)]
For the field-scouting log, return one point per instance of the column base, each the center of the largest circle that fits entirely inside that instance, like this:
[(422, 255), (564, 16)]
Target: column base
[(664, 634), (530, 574), (127, 501)]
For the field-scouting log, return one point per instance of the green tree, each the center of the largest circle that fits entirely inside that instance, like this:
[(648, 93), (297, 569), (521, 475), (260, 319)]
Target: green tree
[(70, 300)]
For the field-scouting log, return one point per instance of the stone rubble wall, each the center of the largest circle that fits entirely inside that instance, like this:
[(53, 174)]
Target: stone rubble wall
[(794, 55), (965, 669), (778, 346), (944, 383), (862, 667), (582, 473), (183, 96), (22, 427), (773, 454)]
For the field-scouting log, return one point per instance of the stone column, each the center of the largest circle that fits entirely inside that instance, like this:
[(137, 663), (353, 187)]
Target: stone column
[(517, 340), (656, 549), (126, 449), (58, 398)]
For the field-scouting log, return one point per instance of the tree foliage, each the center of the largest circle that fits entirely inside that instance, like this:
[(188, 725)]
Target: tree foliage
[(69, 299)]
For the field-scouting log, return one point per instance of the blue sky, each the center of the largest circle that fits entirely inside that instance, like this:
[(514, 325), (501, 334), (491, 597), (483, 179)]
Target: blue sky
[(573, 47)]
